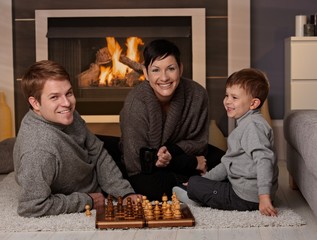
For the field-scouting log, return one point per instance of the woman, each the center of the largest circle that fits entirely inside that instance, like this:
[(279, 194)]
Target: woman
[(164, 125)]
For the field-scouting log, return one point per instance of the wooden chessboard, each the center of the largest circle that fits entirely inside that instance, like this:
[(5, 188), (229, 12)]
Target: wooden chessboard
[(104, 221), (187, 219)]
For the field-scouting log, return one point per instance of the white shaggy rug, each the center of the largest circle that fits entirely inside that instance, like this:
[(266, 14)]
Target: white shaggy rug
[(205, 218)]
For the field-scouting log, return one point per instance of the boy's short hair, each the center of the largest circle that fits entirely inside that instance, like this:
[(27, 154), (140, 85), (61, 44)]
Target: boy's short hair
[(160, 49), (253, 81), (35, 77)]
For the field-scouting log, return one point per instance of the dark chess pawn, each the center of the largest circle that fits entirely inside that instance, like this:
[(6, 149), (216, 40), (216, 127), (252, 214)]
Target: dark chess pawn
[(129, 213), (109, 210), (109, 198), (120, 209), (109, 213), (138, 210)]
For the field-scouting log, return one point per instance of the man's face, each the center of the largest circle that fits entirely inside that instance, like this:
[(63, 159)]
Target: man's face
[(57, 102)]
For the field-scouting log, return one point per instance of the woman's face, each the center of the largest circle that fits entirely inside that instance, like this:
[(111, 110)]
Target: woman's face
[(164, 76)]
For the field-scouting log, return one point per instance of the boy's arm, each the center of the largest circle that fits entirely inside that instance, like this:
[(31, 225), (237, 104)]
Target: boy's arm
[(218, 173)]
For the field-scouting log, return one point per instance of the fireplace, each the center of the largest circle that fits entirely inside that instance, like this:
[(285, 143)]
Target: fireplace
[(95, 47)]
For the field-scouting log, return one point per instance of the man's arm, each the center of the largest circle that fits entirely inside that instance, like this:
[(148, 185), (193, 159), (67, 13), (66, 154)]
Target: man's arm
[(35, 175)]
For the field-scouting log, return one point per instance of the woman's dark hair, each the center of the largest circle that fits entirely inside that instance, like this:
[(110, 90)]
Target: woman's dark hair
[(160, 49)]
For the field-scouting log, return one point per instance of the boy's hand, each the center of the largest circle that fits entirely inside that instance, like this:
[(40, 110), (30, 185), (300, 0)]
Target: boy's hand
[(265, 205)]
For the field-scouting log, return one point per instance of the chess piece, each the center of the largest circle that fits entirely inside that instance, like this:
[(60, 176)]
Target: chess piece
[(157, 210), (146, 206), (139, 210), (129, 213), (174, 197), (109, 198), (164, 198), (88, 212), (177, 214), (149, 213), (109, 210), (144, 198), (120, 208), (168, 214), (164, 203)]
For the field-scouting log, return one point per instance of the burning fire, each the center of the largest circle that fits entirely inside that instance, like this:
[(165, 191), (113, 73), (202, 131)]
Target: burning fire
[(119, 71)]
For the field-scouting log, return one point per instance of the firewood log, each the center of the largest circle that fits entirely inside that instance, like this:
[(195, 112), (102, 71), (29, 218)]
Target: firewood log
[(132, 64), (89, 77), (103, 56)]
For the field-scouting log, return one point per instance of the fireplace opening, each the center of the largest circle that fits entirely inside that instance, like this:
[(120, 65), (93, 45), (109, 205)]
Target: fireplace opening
[(103, 55)]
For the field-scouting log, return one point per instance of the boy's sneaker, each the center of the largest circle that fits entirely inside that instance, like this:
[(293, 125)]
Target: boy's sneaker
[(182, 196)]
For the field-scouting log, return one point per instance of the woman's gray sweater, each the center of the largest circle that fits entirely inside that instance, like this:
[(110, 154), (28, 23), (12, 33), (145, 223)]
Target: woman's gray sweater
[(143, 123)]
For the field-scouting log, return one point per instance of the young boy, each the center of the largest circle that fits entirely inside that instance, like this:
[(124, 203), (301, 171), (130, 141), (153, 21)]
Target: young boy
[(247, 177), (60, 165)]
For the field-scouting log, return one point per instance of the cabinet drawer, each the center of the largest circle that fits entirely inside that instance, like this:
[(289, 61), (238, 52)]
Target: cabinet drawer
[(303, 94), (303, 60)]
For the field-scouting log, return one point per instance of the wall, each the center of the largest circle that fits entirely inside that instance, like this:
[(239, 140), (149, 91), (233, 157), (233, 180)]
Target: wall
[(271, 22), (6, 56)]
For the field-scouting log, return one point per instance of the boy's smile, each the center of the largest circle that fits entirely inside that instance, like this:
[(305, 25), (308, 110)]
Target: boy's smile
[(237, 102)]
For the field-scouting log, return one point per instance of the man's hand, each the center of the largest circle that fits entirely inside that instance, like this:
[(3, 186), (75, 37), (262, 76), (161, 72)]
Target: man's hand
[(98, 198), (265, 205), (134, 198), (201, 164), (163, 157)]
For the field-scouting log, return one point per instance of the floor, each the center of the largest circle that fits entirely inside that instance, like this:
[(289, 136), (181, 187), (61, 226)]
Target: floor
[(293, 198)]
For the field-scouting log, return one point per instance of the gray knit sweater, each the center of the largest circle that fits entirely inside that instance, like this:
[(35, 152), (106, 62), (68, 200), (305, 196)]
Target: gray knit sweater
[(144, 125), (57, 166), (250, 163)]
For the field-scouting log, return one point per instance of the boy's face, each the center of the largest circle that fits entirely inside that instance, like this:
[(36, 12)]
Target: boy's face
[(57, 102), (237, 102)]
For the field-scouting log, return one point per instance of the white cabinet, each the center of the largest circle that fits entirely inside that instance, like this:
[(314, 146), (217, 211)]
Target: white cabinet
[(300, 73)]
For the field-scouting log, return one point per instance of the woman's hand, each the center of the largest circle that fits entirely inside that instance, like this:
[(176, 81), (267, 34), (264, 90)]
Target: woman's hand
[(98, 198), (201, 164), (163, 157), (265, 206)]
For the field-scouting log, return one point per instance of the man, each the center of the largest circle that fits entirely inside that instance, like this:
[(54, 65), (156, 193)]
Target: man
[(60, 165)]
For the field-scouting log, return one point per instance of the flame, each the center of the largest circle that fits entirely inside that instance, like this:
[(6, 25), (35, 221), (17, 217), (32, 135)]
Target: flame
[(105, 76), (132, 48), (118, 69)]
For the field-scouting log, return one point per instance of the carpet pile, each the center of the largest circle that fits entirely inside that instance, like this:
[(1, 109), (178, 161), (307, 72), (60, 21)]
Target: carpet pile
[(205, 218)]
